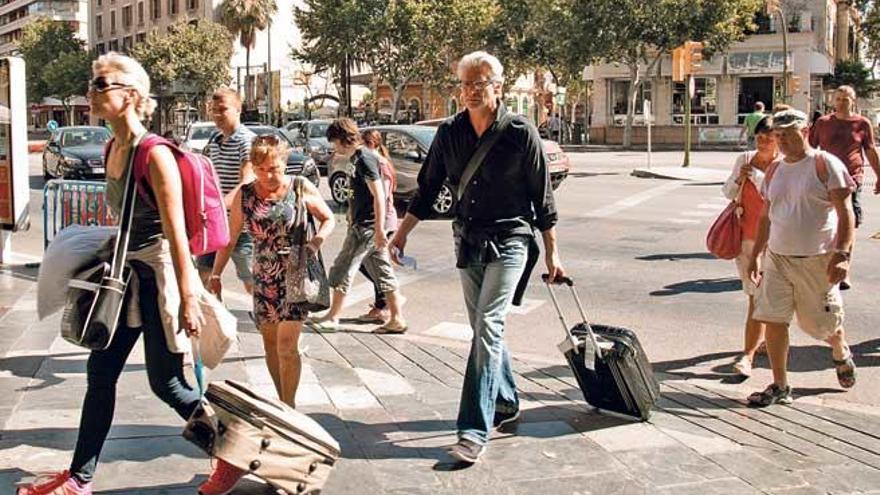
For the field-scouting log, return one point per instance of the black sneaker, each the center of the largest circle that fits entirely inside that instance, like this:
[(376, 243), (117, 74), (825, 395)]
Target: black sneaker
[(502, 419), (467, 451), (773, 394)]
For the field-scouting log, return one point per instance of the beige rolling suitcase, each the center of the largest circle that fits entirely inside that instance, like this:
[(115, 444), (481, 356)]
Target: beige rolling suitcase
[(265, 437)]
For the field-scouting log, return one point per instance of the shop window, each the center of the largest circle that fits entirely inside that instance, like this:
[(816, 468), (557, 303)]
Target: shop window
[(620, 93), (703, 105)]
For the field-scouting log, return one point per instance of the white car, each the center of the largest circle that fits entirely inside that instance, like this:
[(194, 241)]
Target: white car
[(197, 135)]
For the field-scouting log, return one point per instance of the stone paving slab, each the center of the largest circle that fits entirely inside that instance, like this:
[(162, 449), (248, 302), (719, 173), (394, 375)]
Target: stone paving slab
[(391, 402)]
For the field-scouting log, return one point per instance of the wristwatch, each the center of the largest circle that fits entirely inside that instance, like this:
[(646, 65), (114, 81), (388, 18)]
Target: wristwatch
[(843, 252)]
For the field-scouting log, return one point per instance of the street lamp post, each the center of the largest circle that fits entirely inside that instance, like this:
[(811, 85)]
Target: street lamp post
[(775, 6)]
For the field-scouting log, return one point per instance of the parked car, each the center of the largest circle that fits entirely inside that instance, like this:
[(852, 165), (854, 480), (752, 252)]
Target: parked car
[(408, 146), (197, 135), (75, 152), (311, 137), (297, 163)]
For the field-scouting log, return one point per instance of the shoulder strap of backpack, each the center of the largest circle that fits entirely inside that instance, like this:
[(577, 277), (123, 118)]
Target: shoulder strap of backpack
[(822, 167), (477, 158)]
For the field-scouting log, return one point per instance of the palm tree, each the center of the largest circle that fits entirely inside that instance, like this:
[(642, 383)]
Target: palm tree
[(244, 18)]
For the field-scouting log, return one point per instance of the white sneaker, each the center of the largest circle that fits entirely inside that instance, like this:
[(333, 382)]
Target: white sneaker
[(743, 366)]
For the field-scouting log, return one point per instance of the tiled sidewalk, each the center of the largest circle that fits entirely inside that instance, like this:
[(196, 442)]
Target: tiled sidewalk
[(391, 402)]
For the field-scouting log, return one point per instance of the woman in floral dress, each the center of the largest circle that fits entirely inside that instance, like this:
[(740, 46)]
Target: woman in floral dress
[(267, 207)]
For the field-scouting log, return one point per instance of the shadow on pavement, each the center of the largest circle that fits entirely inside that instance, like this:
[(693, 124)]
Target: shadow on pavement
[(676, 257), (701, 286), (801, 359), (24, 272)]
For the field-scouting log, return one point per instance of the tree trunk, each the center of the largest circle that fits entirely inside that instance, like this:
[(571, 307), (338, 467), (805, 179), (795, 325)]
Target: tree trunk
[(635, 82), (395, 101), (247, 77)]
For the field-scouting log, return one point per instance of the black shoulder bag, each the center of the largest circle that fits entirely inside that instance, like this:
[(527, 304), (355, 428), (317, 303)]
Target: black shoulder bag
[(95, 296)]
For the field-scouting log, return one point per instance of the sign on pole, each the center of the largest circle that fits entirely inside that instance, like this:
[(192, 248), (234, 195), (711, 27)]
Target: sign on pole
[(14, 187)]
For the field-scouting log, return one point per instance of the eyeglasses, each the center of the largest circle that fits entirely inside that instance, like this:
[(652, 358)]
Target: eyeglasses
[(100, 84), (478, 85)]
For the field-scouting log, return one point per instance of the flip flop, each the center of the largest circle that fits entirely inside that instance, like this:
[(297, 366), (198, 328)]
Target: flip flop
[(325, 326), (385, 329)]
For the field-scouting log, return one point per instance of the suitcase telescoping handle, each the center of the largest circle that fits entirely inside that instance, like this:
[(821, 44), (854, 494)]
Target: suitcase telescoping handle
[(570, 283)]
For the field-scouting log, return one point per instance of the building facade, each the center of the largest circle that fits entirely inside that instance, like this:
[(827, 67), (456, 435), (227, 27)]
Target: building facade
[(728, 85), (15, 14)]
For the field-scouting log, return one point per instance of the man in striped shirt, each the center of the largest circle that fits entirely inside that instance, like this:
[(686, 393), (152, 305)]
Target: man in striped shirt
[(229, 150)]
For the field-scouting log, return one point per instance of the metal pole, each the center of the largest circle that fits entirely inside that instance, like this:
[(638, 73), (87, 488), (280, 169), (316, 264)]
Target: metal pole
[(647, 112), (784, 23), (687, 121)]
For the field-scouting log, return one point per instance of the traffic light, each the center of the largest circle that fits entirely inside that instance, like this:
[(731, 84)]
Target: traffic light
[(678, 64), (794, 84), (693, 55)]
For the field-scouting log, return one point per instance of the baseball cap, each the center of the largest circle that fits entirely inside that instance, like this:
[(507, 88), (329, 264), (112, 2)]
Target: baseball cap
[(789, 118)]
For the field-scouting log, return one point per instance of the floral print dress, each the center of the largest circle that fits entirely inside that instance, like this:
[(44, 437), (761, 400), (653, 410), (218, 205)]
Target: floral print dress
[(270, 221)]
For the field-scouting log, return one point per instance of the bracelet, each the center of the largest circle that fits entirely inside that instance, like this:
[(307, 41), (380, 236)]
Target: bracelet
[(215, 277)]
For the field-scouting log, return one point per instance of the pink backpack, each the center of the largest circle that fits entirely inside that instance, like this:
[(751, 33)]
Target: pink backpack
[(204, 211)]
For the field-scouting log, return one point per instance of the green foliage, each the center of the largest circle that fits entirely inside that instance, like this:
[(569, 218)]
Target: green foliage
[(244, 18), (42, 45), (853, 73), (196, 53), (68, 75), (870, 31), (401, 40)]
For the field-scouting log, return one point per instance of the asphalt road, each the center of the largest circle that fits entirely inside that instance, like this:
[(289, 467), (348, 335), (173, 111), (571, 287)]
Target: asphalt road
[(636, 248)]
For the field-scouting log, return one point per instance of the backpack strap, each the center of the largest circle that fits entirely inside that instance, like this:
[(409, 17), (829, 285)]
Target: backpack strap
[(822, 167), (142, 162)]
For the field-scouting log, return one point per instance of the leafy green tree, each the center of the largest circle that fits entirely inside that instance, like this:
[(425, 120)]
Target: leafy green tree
[(245, 18), (637, 34), (853, 73), (56, 62), (67, 77), (198, 54), (402, 41)]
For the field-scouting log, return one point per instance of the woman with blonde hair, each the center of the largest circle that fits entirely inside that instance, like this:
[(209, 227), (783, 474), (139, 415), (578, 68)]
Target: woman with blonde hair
[(267, 207), (158, 253)]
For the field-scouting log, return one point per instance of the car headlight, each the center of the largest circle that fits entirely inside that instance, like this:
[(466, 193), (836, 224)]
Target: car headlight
[(315, 148), (72, 162)]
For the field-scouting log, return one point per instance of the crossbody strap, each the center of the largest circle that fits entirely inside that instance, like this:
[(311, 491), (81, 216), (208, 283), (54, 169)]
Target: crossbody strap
[(479, 155), (126, 215)]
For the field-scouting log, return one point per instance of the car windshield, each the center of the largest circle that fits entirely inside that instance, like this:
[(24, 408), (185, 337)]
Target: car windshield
[(84, 137), (318, 130), (424, 134), (202, 132)]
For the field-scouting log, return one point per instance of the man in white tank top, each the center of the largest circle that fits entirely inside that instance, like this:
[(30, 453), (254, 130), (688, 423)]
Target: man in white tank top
[(807, 227)]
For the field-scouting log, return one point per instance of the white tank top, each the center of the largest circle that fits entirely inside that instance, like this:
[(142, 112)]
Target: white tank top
[(803, 222)]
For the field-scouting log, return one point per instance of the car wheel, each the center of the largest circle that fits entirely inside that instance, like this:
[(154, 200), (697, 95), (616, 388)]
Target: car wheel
[(339, 189), (445, 201)]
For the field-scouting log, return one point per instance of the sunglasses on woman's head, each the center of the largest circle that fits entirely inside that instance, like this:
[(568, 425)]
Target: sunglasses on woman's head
[(270, 139), (100, 84)]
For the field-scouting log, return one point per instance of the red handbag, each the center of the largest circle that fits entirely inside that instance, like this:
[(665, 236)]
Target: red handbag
[(724, 239)]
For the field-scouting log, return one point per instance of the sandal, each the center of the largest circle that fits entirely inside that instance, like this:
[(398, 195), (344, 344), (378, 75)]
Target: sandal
[(846, 371), (773, 394), (386, 329)]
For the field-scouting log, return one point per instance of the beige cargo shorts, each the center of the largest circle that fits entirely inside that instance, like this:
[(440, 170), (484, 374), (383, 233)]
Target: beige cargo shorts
[(798, 286)]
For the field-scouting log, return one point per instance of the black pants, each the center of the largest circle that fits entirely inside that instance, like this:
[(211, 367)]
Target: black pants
[(164, 369)]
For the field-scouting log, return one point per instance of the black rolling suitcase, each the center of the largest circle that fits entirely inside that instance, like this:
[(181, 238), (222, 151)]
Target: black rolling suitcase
[(609, 364)]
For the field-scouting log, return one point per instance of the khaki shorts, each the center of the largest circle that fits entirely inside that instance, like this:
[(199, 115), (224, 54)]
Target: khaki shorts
[(742, 266), (795, 286)]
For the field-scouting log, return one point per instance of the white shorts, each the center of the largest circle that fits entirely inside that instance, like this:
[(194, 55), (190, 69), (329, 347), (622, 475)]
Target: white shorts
[(798, 286), (742, 266)]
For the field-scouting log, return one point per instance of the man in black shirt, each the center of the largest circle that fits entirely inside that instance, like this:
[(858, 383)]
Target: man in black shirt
[(503, 200), (365, 241)]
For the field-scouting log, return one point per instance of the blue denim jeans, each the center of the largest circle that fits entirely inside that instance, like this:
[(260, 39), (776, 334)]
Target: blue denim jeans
[(488, 380), (164, 370)]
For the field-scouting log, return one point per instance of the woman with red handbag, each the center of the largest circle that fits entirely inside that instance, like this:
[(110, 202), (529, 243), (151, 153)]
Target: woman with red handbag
[(744, 186)]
